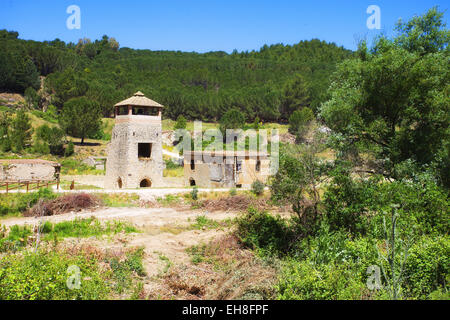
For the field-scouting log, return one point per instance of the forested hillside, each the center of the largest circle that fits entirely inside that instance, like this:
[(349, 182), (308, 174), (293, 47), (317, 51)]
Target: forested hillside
[(199, 86)]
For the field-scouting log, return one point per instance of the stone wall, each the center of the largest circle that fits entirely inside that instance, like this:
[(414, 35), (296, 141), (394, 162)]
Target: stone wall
[(28, 171), (210, 175), (123, 162)]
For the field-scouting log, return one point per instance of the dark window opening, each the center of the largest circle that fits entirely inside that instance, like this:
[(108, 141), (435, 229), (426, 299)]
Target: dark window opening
[(258, 165), (123, 111), (238, 166), (191, 182), (239, 186), (144, 150), (141, 111), (192, 165), (119, 183), (146, 183)]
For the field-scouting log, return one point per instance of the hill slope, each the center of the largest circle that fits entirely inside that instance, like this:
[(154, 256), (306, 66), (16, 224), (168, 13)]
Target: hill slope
[(199, 86)]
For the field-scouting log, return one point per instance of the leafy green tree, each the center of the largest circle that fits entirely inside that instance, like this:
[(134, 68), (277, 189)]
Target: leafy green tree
[(181, 123), (21, 131), (295, 95), (256, 123), (5, 141), (53, 137), (233, 119), (424, 34), (392, 102), (70, 149), (198, 86), (31, 98), (80, 118), (257, 187), (65, 86), (298, 178), (299, 122)]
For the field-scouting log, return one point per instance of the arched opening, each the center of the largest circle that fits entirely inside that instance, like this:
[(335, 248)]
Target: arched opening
[(119, 183), (191, 182), (145, 183)]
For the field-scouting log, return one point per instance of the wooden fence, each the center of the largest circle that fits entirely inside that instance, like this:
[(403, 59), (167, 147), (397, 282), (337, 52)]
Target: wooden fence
[(27, 185)]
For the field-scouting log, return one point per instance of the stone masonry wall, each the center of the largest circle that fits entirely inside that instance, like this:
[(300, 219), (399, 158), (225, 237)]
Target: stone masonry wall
[(123, 161)]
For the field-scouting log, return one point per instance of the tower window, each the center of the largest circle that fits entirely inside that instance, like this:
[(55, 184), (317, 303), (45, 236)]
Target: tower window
[(145, 111), (192, 165), (122, 111), (258, 165), (144, 150)]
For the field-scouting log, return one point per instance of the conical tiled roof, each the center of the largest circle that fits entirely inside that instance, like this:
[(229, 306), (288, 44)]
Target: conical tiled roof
[(138, 99)]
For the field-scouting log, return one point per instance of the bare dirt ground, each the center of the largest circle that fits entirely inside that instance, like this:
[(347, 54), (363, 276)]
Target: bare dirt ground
[(166, 234)]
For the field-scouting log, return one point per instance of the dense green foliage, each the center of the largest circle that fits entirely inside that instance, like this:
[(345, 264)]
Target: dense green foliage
[(383, 202), (199, 86), (19, 236), (52, 138), (181, 123), (15, 203), (232, 120), (43, 275), (257, 187), (81, 117), (299, 122), (391, 102), (20, 131)]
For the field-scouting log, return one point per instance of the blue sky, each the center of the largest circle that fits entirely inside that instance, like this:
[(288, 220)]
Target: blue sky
[(200, 25)]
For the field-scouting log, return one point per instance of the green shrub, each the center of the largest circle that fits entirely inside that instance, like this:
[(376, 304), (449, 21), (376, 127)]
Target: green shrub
[(302, 280), (20, 202), (260, 230), (17, 238), (171, 165), (123, 269), (43, 276), (181, 123), (51, 115), (233, 119), (69, 150), (258, 187), (358, 205), (299, 122), (75, 167), (194, 193), (41, 148), (427, 268), (233, 192)]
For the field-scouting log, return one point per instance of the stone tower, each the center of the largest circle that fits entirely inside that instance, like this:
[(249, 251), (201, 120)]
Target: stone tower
[(135, 152)]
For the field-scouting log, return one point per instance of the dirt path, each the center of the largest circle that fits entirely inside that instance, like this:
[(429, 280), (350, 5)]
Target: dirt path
[(166, 233)]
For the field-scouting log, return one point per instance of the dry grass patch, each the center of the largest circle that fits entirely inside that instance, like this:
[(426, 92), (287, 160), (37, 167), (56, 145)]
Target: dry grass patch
[(64, 204), (224, 271), (240, 202)]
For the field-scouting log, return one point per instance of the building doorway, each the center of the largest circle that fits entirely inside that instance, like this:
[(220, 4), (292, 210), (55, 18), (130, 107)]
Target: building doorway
[(119, 183), (145, 183)]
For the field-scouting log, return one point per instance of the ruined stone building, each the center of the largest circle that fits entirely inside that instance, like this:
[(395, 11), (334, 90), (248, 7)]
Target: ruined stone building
[(225, 169), (135, 152), (29, 170)]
